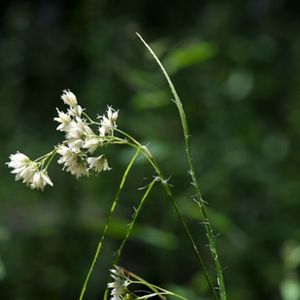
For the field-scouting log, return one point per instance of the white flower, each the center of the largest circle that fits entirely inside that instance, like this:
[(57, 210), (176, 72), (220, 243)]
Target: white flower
[(78, 168), (92, 143), (62, 149), (64, 120), (75, 111), (112, 114), (102, 131), (26, 173), (108, 122), (77, 129), (73, 161), (98, 163), (119, 285), (69, 98), (68, 156), (23, 167), (28, 170), (40, 180), (18, 160), (75, 145)]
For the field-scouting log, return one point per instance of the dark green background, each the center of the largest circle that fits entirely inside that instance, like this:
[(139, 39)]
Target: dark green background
[(236, 66)]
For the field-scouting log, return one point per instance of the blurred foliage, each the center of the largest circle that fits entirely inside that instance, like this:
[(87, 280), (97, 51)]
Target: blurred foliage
[(290, 288), (236, 65)]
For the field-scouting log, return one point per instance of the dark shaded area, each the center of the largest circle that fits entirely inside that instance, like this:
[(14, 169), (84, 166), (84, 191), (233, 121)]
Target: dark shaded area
[(236, 66)]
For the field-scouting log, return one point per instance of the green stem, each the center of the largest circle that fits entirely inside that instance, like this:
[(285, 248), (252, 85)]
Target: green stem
[(153, 287), (112, 210), (135, 215), (186, 228), (134, 143), (208, 228), (131, 225), (51, 158), (88, 117), (168, 293), (44, 156)]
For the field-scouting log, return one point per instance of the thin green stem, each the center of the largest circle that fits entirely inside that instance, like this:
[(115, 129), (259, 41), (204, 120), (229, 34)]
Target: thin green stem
[(159, 294), (131, 225), (42, 159), (140, 280), (153, 287), (88, 117), (168, 293), (188, 232), (135, 144), (51, 158), (135, 215), (44, 156), (208, 228), (112, 210), (168, 191), (106, 293)]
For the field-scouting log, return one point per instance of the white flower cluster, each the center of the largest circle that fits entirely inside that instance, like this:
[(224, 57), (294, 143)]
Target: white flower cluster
[(108, 123), (128, 286), (29, 171), (75, 151), (119, 287), (80, 140)]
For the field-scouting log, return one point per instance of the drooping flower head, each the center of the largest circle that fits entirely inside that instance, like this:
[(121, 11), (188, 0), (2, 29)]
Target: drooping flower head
[(73, 161), (99, 163), (80, 140), (40, 180), (27, 170), (75, 151), (119, 285)]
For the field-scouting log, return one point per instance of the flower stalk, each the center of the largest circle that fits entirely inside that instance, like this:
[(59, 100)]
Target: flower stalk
[(77, 156), (123, 279), (107, 224), (201, 203)]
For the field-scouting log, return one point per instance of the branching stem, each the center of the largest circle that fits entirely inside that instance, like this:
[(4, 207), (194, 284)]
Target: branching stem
[(112, 210), (208, 228), (135, 144)]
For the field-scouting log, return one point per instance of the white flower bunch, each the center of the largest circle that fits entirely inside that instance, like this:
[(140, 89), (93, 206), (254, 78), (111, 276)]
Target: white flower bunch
[(128, 286), (28, 170), (108, 122), (75, 151), (119, 287), (80, 139)]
